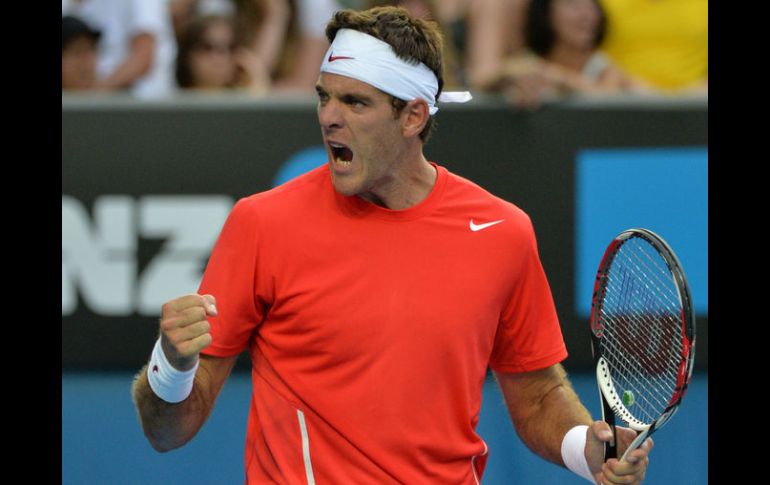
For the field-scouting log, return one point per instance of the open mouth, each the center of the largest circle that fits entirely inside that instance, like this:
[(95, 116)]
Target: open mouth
[(340, 152)]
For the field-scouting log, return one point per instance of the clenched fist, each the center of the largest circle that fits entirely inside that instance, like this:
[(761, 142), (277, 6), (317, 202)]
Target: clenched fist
[(185, 330)]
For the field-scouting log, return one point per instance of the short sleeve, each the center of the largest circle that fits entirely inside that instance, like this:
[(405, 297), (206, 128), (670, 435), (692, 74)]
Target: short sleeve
[(528, 337), (147, 16), (231, 277)]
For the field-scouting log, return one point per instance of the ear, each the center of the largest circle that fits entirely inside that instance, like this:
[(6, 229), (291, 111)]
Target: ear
[(414, 117)]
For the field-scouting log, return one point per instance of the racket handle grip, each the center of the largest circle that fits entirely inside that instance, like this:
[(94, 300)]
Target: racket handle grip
[(610, 447)]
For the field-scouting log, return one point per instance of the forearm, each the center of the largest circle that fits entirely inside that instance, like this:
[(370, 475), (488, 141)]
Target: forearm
[(543, 410), (168, 426), (559, 412), (485, 45), (136, 64), (271, 33), (304, 71)]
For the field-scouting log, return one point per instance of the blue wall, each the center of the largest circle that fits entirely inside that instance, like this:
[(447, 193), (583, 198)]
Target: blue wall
[(102, 441), (663, 189)]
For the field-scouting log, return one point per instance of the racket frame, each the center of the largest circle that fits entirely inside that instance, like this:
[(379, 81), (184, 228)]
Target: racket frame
[(612, 404)]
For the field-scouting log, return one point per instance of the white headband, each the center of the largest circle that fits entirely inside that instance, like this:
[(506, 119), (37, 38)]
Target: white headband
[(360, 56)]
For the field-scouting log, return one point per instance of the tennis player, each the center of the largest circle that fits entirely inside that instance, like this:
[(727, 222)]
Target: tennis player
[(372, 294)]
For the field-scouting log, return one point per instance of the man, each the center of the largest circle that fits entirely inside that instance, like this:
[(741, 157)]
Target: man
[(372, 294), (78, 54), (137, 48)]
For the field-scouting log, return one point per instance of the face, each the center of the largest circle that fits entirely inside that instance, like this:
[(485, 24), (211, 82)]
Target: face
[(575, 22), (78, 64), (363, 138), (212, 62)]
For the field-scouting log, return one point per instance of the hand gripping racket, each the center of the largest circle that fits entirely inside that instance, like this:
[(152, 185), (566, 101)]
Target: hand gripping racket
[(642, 334)]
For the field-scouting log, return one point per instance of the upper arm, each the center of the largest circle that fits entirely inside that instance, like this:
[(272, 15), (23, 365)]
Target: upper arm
[(232, 275), (524, 392), (529, 335)]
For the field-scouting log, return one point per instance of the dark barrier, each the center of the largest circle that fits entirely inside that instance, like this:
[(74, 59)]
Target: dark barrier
[(146, 187)]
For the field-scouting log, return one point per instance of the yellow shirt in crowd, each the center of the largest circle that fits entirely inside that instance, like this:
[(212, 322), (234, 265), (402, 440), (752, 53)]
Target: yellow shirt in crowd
[(664, 42)]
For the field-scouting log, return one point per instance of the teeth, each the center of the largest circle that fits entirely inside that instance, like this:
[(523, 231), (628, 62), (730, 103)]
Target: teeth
[(343, 162), (336, 145)]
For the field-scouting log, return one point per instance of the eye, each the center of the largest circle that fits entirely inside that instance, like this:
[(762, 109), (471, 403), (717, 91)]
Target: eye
[(354, 101)]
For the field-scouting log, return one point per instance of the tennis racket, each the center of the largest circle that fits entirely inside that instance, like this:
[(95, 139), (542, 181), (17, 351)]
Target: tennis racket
[(642, 334)]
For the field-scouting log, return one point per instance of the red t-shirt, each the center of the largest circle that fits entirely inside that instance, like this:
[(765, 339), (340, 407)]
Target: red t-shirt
[(370, 330)]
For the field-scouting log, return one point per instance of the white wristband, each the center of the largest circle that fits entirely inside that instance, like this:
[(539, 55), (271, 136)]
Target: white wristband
[(168, 383), (573, 453)]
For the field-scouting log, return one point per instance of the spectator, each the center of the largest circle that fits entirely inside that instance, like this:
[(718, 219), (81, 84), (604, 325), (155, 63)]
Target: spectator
[(261, 26), (562, 39), (78, 54), (663, 43), (183, 12), (210, 59), (305, 46), (137, 47), (288, 36), (431, 10)]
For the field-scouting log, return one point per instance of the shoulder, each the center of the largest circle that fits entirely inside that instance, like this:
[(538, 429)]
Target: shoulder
[(474, 199), (475, 207), (299, 189), (292, 198)]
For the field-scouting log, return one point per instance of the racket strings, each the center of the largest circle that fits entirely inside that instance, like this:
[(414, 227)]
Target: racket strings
[(641, 328), (652, 391), (649, 399), (666, 286), (650, 394), (625, 331), (638, 324), (638, 321)]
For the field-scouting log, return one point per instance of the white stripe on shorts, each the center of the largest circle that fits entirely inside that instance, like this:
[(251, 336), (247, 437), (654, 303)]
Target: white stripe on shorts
[(306, 448), (473, 462)]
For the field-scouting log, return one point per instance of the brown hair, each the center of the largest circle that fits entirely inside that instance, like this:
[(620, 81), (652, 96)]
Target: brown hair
[(191, 39), (539, 33), (412, 40)]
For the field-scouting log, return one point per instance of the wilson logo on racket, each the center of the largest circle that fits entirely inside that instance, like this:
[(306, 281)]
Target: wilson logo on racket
[(652, 350)]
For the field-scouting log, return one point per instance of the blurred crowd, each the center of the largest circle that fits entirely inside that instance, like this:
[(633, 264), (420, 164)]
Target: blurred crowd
[(527, 50)]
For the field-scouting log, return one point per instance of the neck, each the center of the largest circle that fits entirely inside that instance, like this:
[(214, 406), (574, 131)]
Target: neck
[(572, 58), (407, 186)]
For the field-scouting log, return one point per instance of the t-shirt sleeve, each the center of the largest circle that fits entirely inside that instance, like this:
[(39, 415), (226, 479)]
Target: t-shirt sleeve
[(528, 336), (147, 16), (231, 277)]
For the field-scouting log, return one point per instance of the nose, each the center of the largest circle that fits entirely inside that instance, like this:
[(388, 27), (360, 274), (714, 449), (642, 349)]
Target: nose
[(330, 115)]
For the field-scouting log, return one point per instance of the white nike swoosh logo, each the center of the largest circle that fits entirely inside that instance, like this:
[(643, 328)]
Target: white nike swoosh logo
[(478, 227)]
